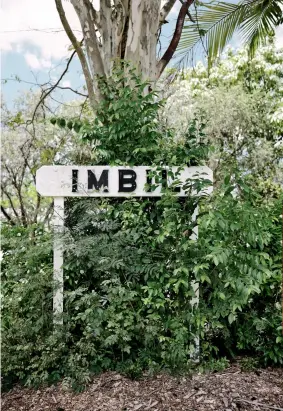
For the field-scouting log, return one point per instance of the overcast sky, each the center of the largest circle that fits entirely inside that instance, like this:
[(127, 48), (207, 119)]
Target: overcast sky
[(35, 47)]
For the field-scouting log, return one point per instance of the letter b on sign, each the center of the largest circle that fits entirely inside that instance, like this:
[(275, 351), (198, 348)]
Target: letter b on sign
[(127, 181)]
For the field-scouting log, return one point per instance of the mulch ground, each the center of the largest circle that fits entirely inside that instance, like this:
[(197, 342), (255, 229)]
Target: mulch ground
[(229, 390)]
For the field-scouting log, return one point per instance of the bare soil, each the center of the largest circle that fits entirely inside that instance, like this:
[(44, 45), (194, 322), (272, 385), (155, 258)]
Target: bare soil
[(229, 390)]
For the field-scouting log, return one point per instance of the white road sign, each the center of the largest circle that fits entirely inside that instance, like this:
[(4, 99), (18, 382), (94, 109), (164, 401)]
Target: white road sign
[(107, 181), (104, 181)]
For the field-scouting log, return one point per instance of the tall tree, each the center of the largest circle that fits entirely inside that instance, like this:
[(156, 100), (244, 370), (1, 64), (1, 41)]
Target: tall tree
[(125, 30)]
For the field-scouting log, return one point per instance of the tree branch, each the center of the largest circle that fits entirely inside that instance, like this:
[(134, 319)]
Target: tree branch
[(167, 7), (48, 212), (33, 174), (176, 38), (22, 207), (78, 49), (117, 29), (11, 203), (95, 15), (188, 13), (74, 91), (84, 10), (46, 92), (38, 201), (44, 84), (7, 216)]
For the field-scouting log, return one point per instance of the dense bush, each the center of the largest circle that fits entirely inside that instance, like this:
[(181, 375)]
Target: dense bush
[(131, 266), (259, 327), (248, 272), (26, 298), (128, 275)]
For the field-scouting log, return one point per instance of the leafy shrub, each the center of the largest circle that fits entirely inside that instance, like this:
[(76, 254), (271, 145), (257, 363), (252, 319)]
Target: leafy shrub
[(128, 292), (26, 297), (131, 266), (259, 329), (249, 280)]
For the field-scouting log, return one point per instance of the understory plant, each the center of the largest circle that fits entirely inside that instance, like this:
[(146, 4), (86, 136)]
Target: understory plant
[(133, 267)]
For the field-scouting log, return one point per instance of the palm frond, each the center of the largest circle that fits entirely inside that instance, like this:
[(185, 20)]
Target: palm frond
[(260, 23), (216, 24)]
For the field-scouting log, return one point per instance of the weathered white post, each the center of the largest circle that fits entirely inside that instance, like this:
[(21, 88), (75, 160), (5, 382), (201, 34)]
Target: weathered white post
[(58, 276), (195, 285)]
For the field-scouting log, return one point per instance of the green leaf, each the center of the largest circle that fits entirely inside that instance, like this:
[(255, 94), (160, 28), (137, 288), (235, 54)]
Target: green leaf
[(231, 318), (227, 180), (61, 122)]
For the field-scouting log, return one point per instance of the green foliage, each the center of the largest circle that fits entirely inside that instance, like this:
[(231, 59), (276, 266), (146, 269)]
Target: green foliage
[(260, 325), (132, 267), (125, 129), (26, 298), (62, 123), (129, 269), (237, 263), (125, 261), (249, 363), (240, 103), (251, 322), (214, 365)]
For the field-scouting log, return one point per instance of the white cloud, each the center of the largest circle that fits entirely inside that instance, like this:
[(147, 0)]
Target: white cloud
[(32, 61), (66, 83), (279, 37), (175, 10), (21, 17), (37, 63)]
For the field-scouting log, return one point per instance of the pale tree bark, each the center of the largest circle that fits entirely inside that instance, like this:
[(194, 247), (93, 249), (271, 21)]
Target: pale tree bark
[(78, 49), (142, 36), (127, 30)]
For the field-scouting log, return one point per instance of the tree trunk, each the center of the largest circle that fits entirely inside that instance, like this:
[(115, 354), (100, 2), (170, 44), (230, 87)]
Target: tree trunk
[(124, 30), (142, 36)]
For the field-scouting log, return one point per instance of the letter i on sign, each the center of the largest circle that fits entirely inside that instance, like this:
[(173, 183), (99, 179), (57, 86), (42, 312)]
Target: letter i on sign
[(75, 174)]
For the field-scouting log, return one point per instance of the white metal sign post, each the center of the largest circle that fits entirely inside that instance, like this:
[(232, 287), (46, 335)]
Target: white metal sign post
[(58, 252), (102, 181)]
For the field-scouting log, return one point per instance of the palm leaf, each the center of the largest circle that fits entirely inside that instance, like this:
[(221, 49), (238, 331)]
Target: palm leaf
[(216, 24), (260, 23)]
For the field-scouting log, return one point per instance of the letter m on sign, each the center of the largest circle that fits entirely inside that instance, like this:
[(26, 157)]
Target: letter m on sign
[(93, 183)]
